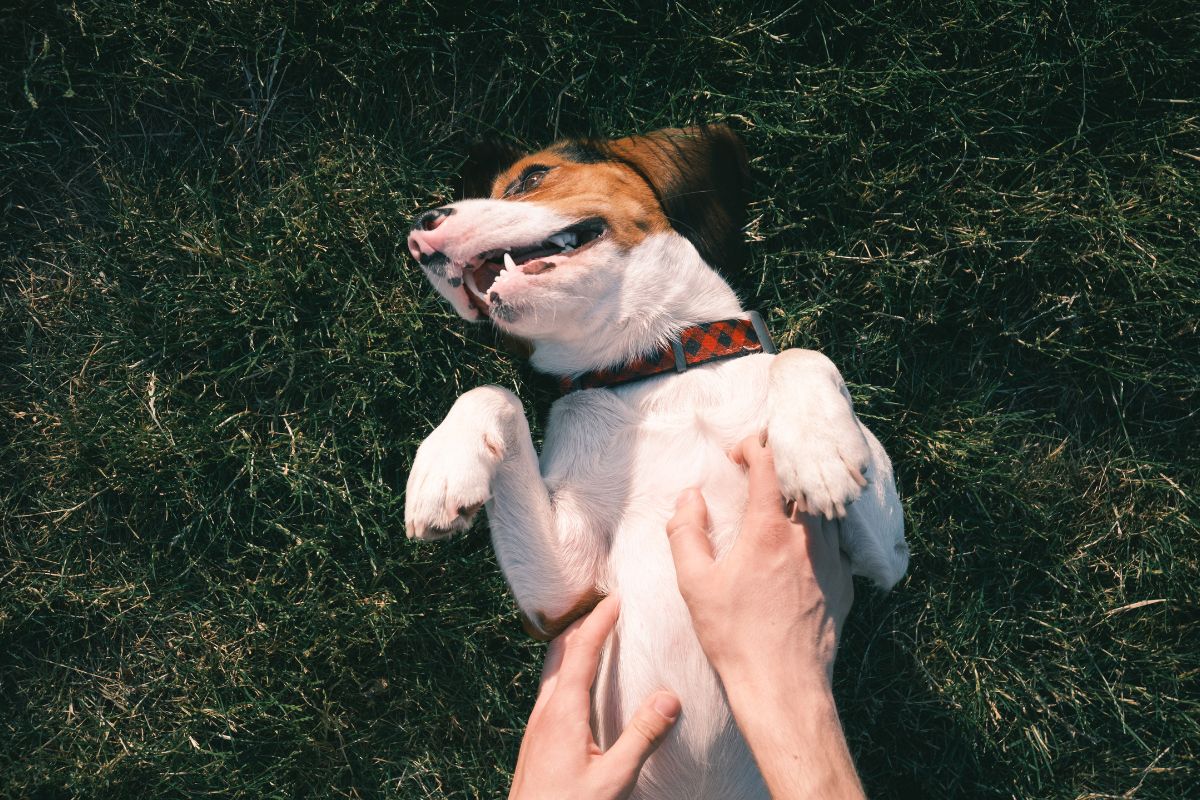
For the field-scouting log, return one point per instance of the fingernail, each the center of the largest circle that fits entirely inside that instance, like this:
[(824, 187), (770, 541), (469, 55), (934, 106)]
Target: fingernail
[(668, 706)]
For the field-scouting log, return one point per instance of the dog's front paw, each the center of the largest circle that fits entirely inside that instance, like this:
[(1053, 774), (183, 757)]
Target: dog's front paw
[(821, 466), (450, 481), (452, 473)]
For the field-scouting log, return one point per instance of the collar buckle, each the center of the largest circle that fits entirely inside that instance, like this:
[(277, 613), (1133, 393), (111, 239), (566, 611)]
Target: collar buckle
[(680, 358), (764, 335)]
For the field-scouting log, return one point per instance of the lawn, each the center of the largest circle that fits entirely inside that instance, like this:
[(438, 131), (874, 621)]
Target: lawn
[(217, 360)]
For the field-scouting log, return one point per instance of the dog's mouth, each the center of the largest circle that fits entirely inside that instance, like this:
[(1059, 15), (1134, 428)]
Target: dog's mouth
[(485, 269)]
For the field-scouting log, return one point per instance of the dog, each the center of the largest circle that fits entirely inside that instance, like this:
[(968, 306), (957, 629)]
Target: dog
[(602, 255)]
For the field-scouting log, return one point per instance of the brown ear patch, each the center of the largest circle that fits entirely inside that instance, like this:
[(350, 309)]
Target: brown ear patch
[(700, 175), (485, 160)]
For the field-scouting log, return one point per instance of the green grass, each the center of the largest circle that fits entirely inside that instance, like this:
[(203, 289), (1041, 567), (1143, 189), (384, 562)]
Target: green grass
[(217, 362)]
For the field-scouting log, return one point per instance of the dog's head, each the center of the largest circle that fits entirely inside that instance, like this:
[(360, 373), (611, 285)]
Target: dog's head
[(541, 242)]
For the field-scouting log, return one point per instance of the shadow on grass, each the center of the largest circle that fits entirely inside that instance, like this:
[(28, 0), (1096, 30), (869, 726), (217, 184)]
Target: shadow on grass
[(907, 741)]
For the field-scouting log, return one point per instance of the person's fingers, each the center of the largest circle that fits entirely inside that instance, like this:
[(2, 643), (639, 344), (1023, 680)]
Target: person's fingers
[(554, 659), (830, 566), (582, 646), (764, 495), (641, 737), (687, 532)]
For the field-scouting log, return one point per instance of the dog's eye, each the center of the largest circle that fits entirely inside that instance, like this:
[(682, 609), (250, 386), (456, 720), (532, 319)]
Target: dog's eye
[(530, 180), (533, 180)]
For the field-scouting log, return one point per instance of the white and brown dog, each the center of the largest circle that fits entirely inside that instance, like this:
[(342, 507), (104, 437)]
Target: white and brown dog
[(600, 255)]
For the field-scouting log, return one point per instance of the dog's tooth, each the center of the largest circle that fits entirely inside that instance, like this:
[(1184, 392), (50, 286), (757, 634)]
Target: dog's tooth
[(568, 248), (508, 262)]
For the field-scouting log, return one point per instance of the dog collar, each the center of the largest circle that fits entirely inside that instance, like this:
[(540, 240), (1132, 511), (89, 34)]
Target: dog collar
[(699, 344)]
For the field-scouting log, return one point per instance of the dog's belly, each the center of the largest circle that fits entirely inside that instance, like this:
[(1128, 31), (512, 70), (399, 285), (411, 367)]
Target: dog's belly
[(682, 440)]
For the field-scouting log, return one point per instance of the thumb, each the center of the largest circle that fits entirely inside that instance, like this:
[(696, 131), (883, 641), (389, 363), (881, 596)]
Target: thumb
[(641, 737), (688, 534)]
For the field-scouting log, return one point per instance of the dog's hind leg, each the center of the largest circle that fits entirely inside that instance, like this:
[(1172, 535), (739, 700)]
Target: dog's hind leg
[(872, 534), (482, 453)]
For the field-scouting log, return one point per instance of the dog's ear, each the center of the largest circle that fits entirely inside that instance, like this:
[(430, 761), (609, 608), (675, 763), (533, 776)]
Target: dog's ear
[(701, 175), (485, 160)]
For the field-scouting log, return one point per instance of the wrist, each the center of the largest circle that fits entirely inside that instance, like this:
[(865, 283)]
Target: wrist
[(791, 724), (773, 698), (765, 676)]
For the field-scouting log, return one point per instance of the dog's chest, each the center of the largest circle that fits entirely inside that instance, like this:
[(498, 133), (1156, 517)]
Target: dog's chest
[(627, 454), (699, 411), (632, 452)]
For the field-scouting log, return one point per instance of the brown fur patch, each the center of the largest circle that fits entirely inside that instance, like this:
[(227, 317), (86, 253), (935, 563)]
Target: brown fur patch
[(544, 629), (608, 189), (693, 180)]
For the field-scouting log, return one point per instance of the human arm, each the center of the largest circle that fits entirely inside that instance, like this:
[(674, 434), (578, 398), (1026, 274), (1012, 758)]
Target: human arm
[(559, 757), (768, 615)]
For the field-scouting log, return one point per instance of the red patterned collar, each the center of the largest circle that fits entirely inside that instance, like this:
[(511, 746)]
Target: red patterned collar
[(699, 344)]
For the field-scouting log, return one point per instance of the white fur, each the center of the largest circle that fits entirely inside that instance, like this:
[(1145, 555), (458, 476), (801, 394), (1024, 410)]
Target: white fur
[(593, 513)]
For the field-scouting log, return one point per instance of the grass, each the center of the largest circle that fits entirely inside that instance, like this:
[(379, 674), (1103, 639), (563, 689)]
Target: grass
[(217, 363)]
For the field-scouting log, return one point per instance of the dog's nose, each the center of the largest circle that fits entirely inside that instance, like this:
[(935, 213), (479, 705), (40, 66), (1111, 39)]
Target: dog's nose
[(423, 243), (429, 220)]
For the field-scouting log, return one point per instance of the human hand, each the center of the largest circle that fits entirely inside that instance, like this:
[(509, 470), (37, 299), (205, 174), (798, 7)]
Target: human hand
[(559, 757), (778, 598)]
